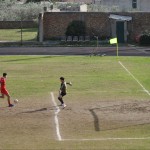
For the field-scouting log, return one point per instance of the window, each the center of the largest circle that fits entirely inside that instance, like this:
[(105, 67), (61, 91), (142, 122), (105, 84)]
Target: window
[(134, 3)]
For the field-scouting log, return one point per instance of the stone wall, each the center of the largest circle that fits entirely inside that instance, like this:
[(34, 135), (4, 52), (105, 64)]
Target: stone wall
[(17, 24), (97, 23)]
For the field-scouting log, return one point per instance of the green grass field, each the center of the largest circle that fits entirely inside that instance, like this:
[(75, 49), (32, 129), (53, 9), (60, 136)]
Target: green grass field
[(29, 34), (106, 106)]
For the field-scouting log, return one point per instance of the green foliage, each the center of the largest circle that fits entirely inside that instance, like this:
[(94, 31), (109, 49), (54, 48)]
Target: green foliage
[(76, 28), (144, 39), (12, 11)]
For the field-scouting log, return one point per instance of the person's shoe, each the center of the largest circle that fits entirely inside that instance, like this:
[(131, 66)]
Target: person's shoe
[(64, 105), (11, 105)]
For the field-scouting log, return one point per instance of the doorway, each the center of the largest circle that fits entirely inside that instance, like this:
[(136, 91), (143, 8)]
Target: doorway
[(120, 31)]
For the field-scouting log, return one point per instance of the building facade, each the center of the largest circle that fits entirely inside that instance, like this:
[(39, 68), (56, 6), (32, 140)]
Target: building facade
[(126, 5), (126, 26)]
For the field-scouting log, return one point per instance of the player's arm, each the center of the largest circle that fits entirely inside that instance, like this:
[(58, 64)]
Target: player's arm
[(69, 83)]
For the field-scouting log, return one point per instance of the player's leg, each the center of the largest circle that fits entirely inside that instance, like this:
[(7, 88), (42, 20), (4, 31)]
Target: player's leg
[(2, 96), (8, 99), (64, 105), (5, 92), (60, 99)]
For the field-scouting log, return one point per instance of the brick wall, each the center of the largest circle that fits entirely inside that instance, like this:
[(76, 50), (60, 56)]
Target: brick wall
[(139, 24), (17, 24), (98, 23)]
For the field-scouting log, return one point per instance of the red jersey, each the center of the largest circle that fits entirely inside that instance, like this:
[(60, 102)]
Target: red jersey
[(3, 82)]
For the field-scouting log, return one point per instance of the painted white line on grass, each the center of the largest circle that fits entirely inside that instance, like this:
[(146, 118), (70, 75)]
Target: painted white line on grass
[(106, 139), (145, 90), (56, 117)]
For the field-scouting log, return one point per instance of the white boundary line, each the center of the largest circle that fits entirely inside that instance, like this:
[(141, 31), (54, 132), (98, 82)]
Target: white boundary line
[(56, 118), (106, 139), (145, 90)]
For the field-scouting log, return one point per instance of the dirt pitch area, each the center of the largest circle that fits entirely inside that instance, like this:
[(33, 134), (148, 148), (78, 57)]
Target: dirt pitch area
[(26, 125), (92, 119)]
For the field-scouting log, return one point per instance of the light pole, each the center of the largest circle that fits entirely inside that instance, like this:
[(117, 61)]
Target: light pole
[(95, 49), (21, 29)]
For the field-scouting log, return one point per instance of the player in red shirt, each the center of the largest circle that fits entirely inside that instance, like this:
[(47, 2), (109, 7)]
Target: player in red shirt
[(3, 89)]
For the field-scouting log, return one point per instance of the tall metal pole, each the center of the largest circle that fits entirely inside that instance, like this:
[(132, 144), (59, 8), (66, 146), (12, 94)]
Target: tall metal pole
[(21, 29)]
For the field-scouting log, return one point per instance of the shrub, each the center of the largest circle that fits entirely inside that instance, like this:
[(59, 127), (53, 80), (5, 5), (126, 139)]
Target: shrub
[(144, 40), (76, 28)]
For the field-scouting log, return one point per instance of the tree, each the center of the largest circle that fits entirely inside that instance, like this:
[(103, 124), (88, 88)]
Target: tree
[(76, 28), (11, 11)]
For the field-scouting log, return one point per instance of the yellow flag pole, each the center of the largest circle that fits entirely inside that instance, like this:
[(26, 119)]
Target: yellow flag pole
[(115, 41)]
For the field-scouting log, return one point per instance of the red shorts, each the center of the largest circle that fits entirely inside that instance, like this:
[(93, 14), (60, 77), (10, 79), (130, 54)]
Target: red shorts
[(4, 91)]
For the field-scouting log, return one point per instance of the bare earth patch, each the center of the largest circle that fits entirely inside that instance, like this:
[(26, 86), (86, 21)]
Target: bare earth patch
[(86, 120)]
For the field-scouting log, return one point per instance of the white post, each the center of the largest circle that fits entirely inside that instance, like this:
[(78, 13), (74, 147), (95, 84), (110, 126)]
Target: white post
[(40, 27)]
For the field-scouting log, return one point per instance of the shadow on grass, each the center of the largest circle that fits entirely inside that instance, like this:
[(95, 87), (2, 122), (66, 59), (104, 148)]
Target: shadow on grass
[(28, 30), (96, 120), (26, 59), (38, 110)]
